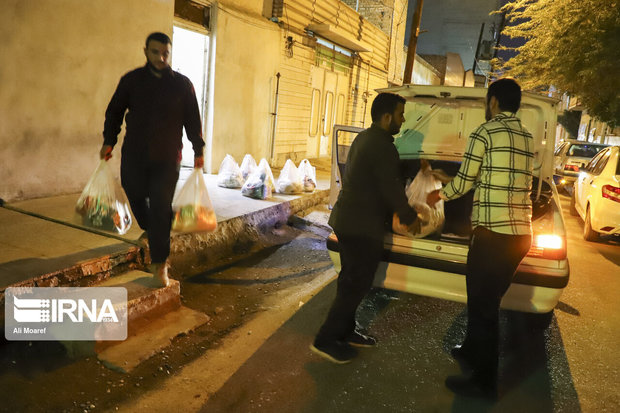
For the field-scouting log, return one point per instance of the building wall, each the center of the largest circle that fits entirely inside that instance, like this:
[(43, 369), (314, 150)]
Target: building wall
[(67, 56), (62, 60), (454, 26), (247, 57), (369, 70)]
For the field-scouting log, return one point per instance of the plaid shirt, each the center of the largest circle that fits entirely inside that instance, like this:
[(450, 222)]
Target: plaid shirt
[(498, 164)]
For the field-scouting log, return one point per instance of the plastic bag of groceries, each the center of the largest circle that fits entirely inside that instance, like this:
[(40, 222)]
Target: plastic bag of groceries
[(191, 206), (289, 181), (103, 203), (260, 183), (229, 174), (247, 166), (308, 175), (424, 182)]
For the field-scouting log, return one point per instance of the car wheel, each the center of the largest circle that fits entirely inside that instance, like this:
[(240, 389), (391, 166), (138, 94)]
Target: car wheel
[(573, 209), (588, 233)]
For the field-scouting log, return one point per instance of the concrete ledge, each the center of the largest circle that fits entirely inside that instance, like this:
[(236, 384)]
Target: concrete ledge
[(192, 253)]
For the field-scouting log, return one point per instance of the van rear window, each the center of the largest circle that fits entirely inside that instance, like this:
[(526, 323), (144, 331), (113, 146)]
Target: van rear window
[(584, 151)]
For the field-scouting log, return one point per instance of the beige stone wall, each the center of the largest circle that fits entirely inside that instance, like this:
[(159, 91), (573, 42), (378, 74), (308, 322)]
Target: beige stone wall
[(61, 61), (247, 57)]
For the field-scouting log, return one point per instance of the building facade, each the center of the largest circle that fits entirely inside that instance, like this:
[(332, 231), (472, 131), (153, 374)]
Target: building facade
[(272, 78)]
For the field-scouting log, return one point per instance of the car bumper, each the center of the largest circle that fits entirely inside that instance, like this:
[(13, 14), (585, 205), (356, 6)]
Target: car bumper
[(605, 217), (535, 288)]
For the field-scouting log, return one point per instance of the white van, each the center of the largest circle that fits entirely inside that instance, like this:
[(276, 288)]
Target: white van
[(438, 122)]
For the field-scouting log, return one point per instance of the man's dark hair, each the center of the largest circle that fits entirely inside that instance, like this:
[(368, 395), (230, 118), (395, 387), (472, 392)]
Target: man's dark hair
[(507, 92), (384, 103), (158, 37)]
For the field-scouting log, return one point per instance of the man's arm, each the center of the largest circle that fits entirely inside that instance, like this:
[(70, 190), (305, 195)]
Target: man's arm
[(114, 116), (470, 167), (391, 186), (193, 125)]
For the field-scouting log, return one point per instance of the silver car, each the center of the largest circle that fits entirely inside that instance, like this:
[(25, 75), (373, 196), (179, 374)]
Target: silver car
[(569, 157)]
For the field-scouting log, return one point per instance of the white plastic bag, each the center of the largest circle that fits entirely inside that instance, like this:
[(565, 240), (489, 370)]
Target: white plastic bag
[(424, 183), (289, 181), (308, 175), (229, 174), (103, 203), (260, 183), (247, 166), (193, 211)]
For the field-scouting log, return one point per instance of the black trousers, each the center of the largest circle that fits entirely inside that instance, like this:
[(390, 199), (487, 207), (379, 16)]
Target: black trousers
[(492, 261), (359, 259), (149, 187)]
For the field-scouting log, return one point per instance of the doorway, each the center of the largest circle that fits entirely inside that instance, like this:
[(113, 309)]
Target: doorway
[(327, 109), (190, 56)]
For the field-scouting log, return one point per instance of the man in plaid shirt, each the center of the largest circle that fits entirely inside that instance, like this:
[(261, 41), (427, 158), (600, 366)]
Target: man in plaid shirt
[(497, 165)]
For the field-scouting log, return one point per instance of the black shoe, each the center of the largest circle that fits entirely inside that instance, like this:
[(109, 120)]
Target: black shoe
[(358, 339), (470, 387), (336, 351)]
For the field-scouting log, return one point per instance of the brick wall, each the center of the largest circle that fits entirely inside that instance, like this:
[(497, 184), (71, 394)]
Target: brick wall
[(378, 12)]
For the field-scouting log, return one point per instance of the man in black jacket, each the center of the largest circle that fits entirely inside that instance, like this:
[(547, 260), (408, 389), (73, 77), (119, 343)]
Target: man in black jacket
[(160, 103), (372, 191)]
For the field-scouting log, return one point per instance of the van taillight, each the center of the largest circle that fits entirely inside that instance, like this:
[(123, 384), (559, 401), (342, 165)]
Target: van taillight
[(573, 168), (549, 246), (611, 192)]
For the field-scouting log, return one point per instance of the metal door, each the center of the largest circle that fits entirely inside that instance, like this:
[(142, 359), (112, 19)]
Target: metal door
[(327, 108)]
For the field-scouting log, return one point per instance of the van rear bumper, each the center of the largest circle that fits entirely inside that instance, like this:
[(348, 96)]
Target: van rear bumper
[(545, 277)]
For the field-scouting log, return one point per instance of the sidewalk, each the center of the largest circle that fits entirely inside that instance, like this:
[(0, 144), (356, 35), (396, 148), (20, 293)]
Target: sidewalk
[(42, 242)]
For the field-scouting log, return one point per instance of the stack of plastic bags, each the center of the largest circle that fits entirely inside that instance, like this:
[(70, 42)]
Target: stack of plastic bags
[(103, 204), (290, 180), (193, 211), (308, 175), (260, 182), (229, 175), (425, 182)]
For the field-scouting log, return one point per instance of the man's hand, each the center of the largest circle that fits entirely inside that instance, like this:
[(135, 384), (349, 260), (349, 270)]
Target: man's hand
[(432, 198), (105, 152), (199, 162)]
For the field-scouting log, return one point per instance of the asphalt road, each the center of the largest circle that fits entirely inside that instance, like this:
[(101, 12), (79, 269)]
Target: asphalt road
[(571, 367), (253, 355)]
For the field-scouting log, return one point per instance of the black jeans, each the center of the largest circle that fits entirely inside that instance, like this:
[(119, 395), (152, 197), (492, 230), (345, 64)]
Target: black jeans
[(492, 261), (149, 187), (359, 259)]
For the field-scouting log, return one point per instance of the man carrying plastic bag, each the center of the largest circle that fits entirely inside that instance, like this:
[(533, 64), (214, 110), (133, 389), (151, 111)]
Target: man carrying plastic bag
[(193, 211), (103, 203), (156, 104)]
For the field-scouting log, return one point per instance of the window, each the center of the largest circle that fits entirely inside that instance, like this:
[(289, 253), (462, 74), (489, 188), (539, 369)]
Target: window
[(600, 164), (333, 57), (314, 114), (592, 164), (584, 151), (328, 113), (558, 150)]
